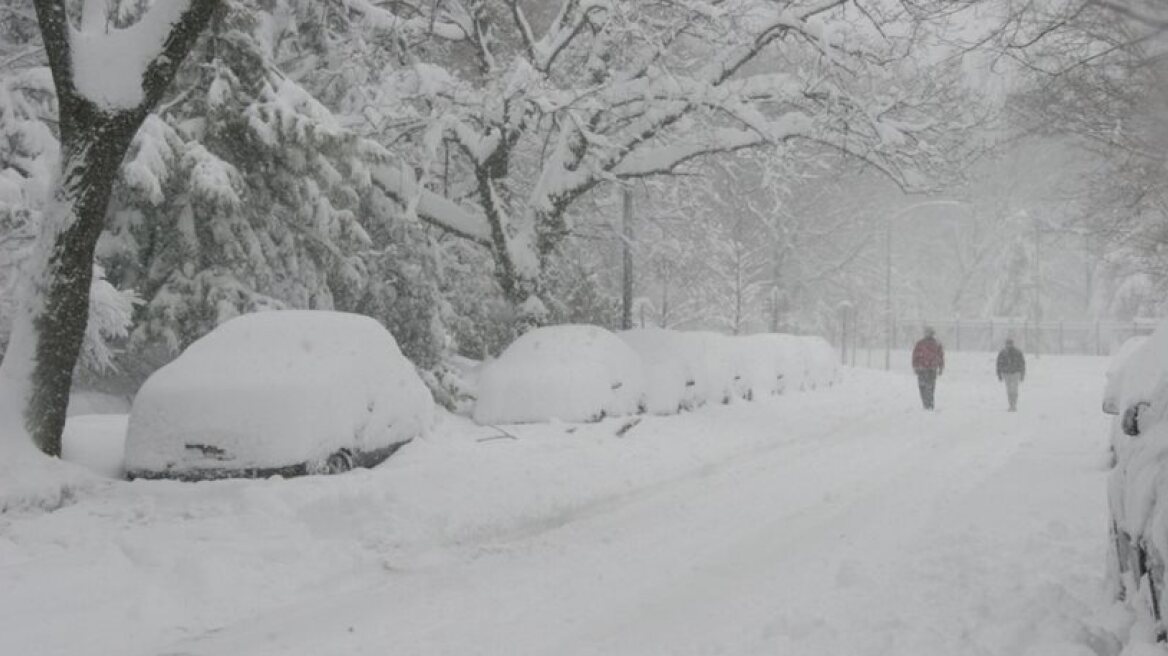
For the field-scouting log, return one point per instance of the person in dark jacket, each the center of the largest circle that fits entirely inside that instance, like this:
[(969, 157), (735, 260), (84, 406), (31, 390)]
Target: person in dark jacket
[(928, 361), (1012, 370)]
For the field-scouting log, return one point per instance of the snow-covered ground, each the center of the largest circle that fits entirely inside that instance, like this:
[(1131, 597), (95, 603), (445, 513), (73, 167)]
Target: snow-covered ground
[(840, 521)]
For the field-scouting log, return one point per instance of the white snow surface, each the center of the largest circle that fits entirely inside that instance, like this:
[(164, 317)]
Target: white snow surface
[(97, 442), (276, 389), (841, 521), (1130, 376), (108, 63), (569, 373)]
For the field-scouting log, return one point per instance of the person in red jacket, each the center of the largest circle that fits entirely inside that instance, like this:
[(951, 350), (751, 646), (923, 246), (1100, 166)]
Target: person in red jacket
[(928, 361)]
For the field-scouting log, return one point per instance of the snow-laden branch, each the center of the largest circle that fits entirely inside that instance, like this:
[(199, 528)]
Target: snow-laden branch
[(400, 184), (786, 21), (573, 17), (665, 159), (711, 82), (451, 24)]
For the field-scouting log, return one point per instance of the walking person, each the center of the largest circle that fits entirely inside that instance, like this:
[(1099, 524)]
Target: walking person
[(1012, 370), (928, 361)]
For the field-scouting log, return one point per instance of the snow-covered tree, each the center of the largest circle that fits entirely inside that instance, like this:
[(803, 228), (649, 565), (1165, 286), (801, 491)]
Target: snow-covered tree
[(248, 192), (1093, 80), (107, 81), (551, 107)]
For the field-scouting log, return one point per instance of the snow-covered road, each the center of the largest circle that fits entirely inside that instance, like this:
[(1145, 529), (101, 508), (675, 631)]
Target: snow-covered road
[(841, 521)]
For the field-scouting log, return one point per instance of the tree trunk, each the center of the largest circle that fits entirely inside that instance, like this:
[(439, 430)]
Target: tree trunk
[(55, 308), (627, 260), (37, 372)]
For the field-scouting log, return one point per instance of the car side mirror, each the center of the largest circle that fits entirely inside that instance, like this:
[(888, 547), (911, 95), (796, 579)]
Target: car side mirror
[(1130, 423)]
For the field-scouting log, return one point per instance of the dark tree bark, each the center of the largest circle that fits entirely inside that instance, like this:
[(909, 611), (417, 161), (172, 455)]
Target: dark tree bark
[(94, 140)]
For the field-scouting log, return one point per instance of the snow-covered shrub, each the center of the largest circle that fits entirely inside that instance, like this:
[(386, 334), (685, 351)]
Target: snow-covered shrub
[(571, 373), (276, 389)]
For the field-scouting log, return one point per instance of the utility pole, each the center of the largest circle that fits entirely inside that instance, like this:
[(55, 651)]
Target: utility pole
[(627, 281), (1037, 308), (888, 294)]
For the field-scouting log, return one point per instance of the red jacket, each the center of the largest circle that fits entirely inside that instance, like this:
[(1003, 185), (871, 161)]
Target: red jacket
[(928, 354)]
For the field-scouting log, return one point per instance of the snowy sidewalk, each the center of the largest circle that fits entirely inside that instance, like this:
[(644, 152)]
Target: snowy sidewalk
[(842, 521)]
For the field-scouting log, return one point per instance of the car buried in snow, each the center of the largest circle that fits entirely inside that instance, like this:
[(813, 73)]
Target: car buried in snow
[(277, 393), (1136, 395)]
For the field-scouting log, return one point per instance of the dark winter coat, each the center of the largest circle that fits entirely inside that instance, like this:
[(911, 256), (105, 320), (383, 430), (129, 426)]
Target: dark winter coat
[(928, 354), (1011, 361)]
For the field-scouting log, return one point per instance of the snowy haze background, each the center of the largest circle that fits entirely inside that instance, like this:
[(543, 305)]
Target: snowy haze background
[(465, 170), (259, 185)]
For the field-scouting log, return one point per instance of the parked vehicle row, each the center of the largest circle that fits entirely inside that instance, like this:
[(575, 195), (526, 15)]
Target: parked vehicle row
[(585, 373), (301, 392)]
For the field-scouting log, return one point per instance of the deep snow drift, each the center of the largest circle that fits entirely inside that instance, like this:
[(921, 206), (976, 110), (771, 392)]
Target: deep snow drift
[(840, 521)]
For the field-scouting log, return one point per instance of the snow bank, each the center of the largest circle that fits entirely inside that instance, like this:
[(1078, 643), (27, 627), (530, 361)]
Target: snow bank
[(571, 373), (274, 389), (96, 442)]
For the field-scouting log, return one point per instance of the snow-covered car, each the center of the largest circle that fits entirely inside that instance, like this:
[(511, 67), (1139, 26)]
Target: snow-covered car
[(1130, 377), (1137, 393), (674, 368), (1125, 375), (570, 373), (278, 393), (821, 362), (763, 364)]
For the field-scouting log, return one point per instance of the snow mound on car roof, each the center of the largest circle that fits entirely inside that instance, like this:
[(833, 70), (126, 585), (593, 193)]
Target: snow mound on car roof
[(273, 389)]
